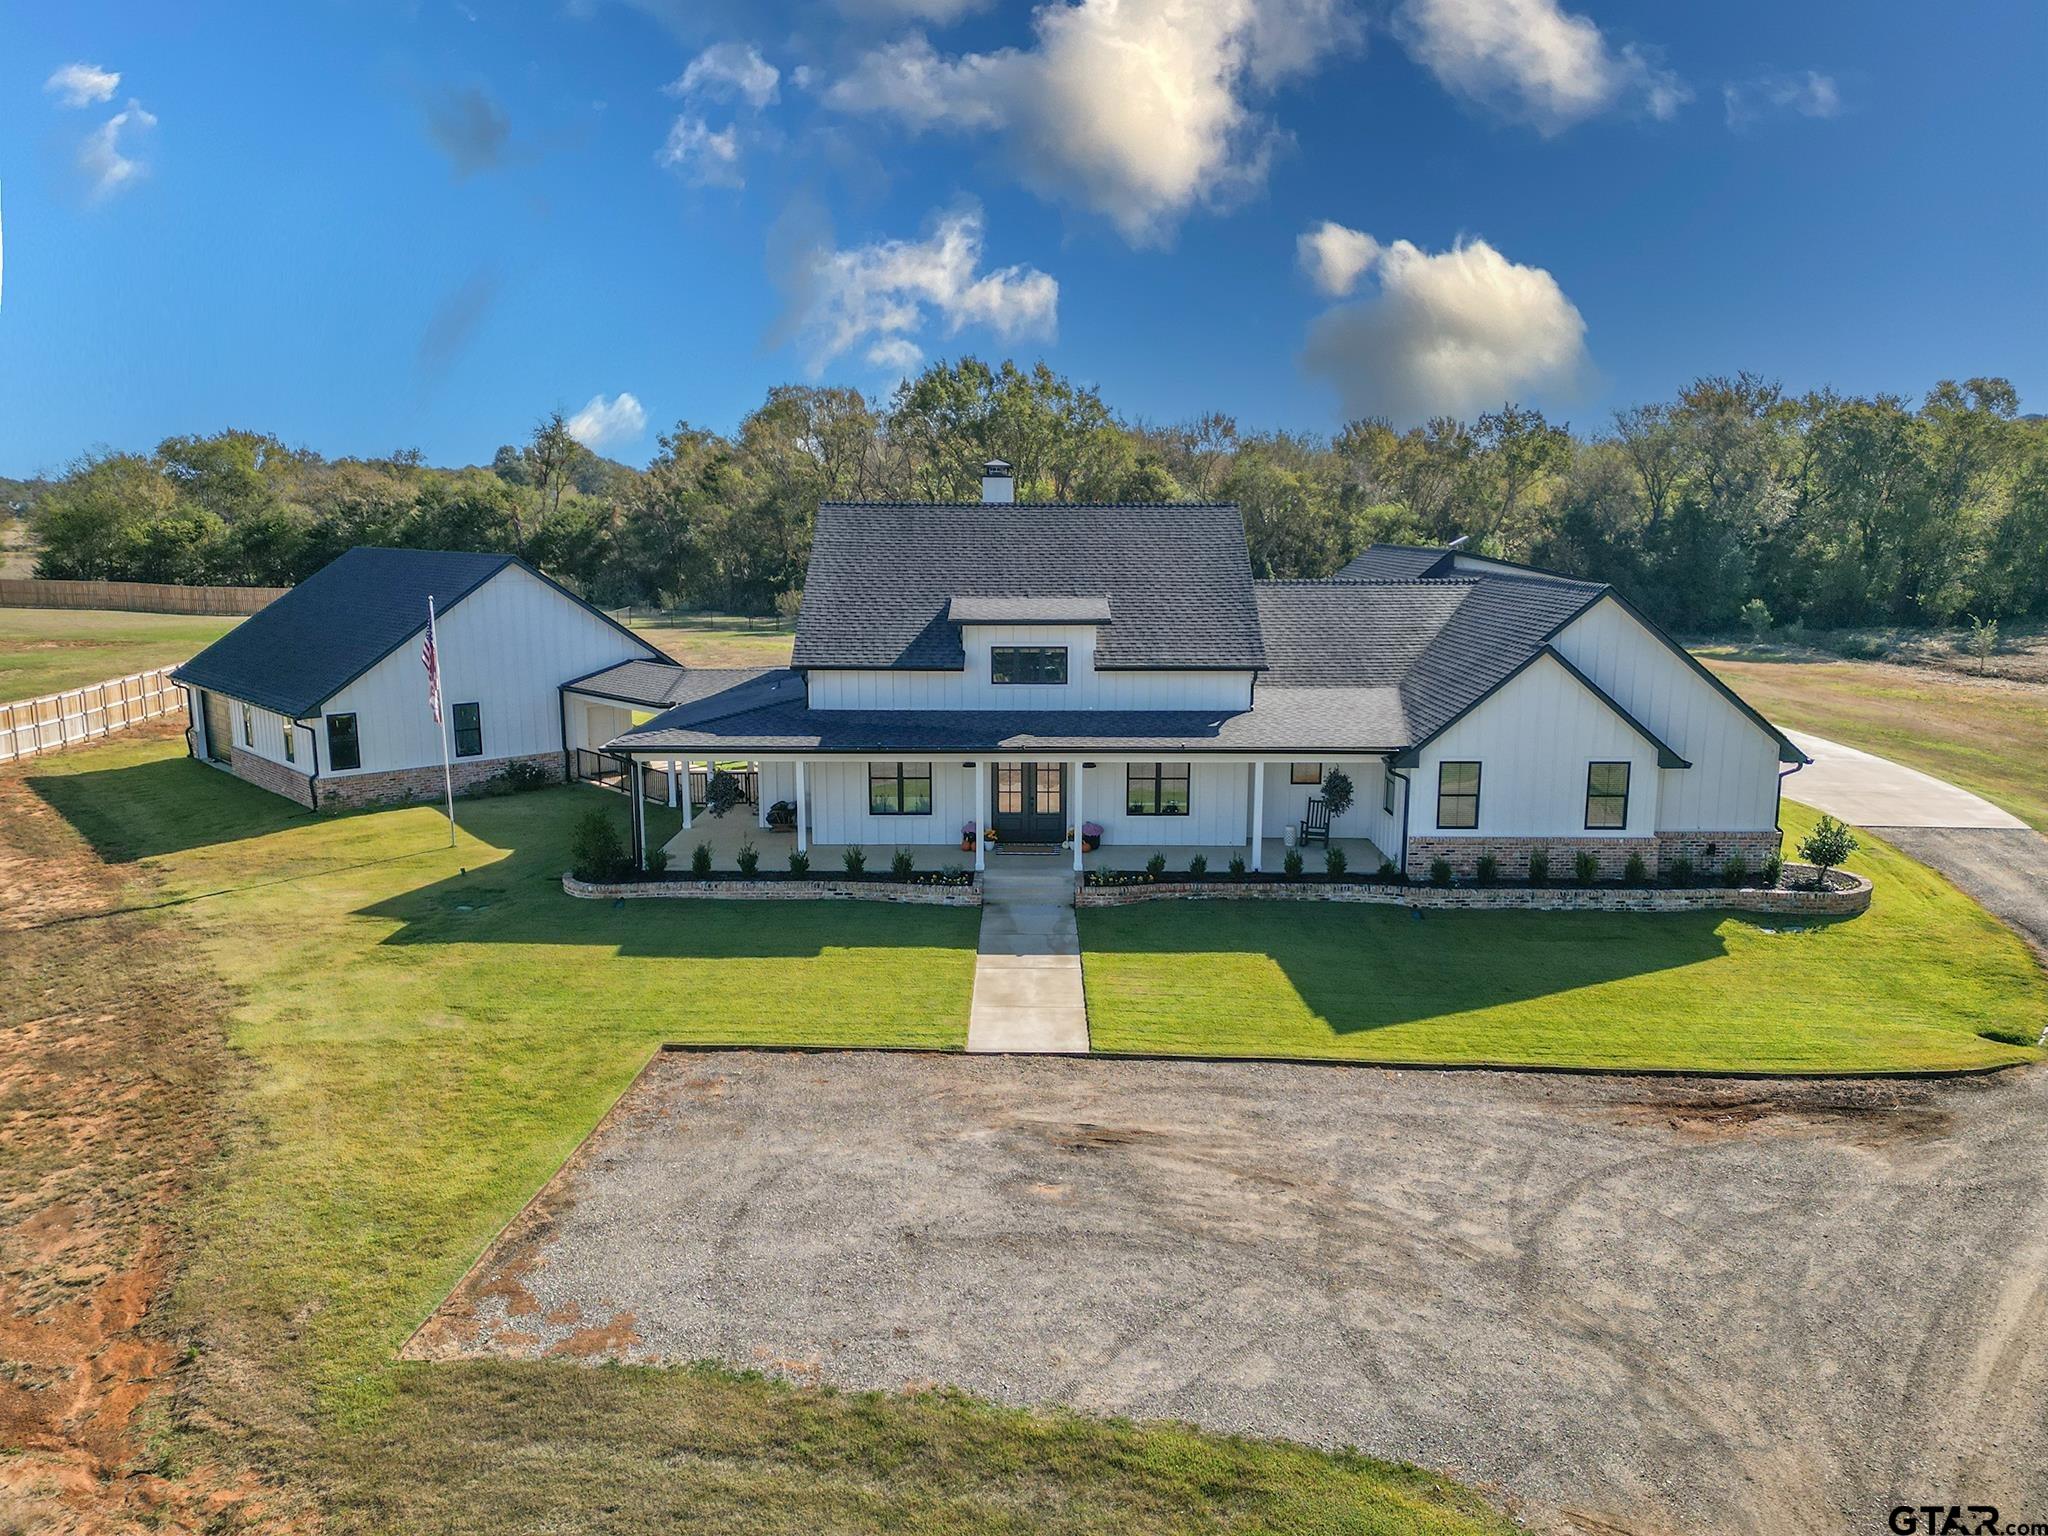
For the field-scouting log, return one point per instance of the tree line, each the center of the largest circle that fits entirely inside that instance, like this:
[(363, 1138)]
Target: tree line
[(1733, 500)]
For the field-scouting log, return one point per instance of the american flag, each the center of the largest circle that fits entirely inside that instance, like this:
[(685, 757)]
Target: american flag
[(432, 661)]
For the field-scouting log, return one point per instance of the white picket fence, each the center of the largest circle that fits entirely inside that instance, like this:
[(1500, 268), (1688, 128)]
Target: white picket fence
[(79, 715)]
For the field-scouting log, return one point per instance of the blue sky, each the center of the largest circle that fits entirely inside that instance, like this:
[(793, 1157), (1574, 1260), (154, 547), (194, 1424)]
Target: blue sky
[(367, 224)]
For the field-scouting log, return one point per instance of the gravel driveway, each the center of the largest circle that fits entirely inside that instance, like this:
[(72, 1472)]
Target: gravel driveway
[(1628, 1304)]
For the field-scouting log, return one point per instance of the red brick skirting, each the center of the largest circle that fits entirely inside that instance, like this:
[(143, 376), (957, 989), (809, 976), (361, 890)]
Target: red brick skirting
[(1854, 898), (1707, 850), (278, 778), (740, 889), (405, 784)]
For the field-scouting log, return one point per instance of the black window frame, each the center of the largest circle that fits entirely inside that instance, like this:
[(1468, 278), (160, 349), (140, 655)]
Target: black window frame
[(248, 726), (335, 755), (1443, 794), (1387, 782), (1294, 773), (898, 781), (1608, 796), (475, 729), (1157, 776), (1040, 654)]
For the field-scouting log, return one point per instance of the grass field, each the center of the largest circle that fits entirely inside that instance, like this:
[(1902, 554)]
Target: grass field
[(1986, 734), (422, 1034), (43, 650), (1923, 980), (715, 640)]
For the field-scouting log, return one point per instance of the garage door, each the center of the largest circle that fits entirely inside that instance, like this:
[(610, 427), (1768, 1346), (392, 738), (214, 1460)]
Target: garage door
[(220, 735)]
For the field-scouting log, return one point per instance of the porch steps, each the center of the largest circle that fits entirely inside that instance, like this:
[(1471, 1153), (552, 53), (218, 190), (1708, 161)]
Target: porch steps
[(1027, 966)]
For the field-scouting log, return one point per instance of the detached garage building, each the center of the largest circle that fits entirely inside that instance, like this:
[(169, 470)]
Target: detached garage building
[(322, 696)]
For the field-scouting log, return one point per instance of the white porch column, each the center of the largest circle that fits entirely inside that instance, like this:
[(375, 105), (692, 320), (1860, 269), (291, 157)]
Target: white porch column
[(672, 789), (687, 817), (760, 794), (803, 811), (1080, 814), (636, 786), (980, 813), (1258, 812)]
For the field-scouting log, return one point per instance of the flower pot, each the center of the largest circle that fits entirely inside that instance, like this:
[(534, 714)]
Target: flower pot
[(1090, 844), (967, 845)]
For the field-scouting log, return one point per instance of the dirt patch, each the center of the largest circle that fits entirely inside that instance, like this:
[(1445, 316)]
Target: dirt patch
[(111, 1066), (1871, 1114)]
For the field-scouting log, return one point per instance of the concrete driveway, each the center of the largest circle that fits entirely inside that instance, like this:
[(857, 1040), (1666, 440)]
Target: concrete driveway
[(1626, 1304), (1870, 791)]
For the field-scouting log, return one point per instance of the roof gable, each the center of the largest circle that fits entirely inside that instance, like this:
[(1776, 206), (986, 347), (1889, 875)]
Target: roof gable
[(884, 578)]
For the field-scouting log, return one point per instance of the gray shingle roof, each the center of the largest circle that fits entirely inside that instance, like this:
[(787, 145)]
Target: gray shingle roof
[(663, 684), (335, 625), (1398, 562), (883, 576)]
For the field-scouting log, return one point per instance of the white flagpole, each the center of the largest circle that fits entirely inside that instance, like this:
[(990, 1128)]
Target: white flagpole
[(441, 714)]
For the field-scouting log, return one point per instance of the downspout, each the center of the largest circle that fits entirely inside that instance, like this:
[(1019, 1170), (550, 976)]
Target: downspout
[(313, 778), (1405, 796), (562, 718), (1778, 810)]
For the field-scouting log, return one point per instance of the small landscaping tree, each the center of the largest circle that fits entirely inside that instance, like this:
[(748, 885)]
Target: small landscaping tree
[(1337, 792), (799, 864), (1983, 640), (657, 861), (723, 792), (1156, 865), (1237, 863), (748, 858), (596, 851), (1680, 873), (1585, 867), (1292, 863), (1539, 867), (1756, 618), (1828, 844), (1334, 862), (1439, 871), (1198, 866), (1388, 871), (1635, 871), (1735, 872), (788, 604), (1487, 870), (700, 860), (855, 860), (903, 865)]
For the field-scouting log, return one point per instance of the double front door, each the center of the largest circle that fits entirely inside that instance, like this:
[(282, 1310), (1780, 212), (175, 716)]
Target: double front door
[(1031, 802)]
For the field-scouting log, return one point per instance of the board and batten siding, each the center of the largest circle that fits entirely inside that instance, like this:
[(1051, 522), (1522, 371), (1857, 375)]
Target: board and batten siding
[(507, 647), (1732, 785), (1533, 741), (1287, 803), (838, 790), (269, 731), (1085, 688)]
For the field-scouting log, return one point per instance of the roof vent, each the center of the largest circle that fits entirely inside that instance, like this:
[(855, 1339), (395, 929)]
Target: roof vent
[(996, 482)]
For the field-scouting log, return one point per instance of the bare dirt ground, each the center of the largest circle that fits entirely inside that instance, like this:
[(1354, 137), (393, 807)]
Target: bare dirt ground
[(110, 1066), (1626, 1304)]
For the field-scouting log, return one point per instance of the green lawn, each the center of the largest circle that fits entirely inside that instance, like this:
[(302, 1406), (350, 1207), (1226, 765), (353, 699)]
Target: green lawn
[(43, 650), (424, 1033), (1923, 980), (1987, 734), (720, 640)]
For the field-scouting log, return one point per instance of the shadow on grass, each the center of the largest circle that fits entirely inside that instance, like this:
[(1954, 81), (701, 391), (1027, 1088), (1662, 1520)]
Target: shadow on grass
[(1362, 968), (138, 810)]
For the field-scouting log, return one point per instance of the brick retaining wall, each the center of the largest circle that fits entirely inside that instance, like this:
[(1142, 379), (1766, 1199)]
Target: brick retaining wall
[(1707, 850), (404, 784), (1497, 898), (278, 778), (737, 888)]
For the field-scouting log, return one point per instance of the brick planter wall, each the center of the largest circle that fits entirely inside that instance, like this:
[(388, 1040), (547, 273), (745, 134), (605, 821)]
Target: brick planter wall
[(1497, 898), (738, 888), (1612, 852), (404, 784), (278, 778)]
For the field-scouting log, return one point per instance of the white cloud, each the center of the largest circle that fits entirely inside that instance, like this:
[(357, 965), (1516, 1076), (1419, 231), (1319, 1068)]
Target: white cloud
[(1448, 332), (937, 12), (83, 85), (601, 422), (1807, 93), (1532, 60), (728, 72), (104, 156), (1135, 108), (1335, 257), (702, 157), (878, 297)]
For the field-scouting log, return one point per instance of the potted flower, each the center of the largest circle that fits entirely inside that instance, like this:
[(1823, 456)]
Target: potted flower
[(990, 837), (1091, 836)]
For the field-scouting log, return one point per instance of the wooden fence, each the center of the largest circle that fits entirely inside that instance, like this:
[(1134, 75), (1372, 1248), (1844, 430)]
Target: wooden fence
[(134, 596), (79, 715)]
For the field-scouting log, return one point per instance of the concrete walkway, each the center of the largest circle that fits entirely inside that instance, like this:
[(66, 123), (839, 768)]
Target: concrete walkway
[(1870, 791), (1027, 972)]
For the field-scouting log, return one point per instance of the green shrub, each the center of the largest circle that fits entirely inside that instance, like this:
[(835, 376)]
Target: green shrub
[(1334, 862), (1680, 874), (1156, 865), (1388, 871), (903, 865), (1735, 873), (1237, 863), (1773, 872), (1292, 863), (1828, 844), (799, 863), (722, 792), (855, 860), (700, 860), (1439, 871), (1585, 867), (520, 777), (1487, 870), (1756, 618), (1337, 792), (1635, 871), (1198, 866), (1539, 867), (596, 851), (657, 861), (748, 858)]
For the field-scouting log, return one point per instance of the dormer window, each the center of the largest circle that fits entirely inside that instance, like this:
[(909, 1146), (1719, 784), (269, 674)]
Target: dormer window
[(1028, 663)]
